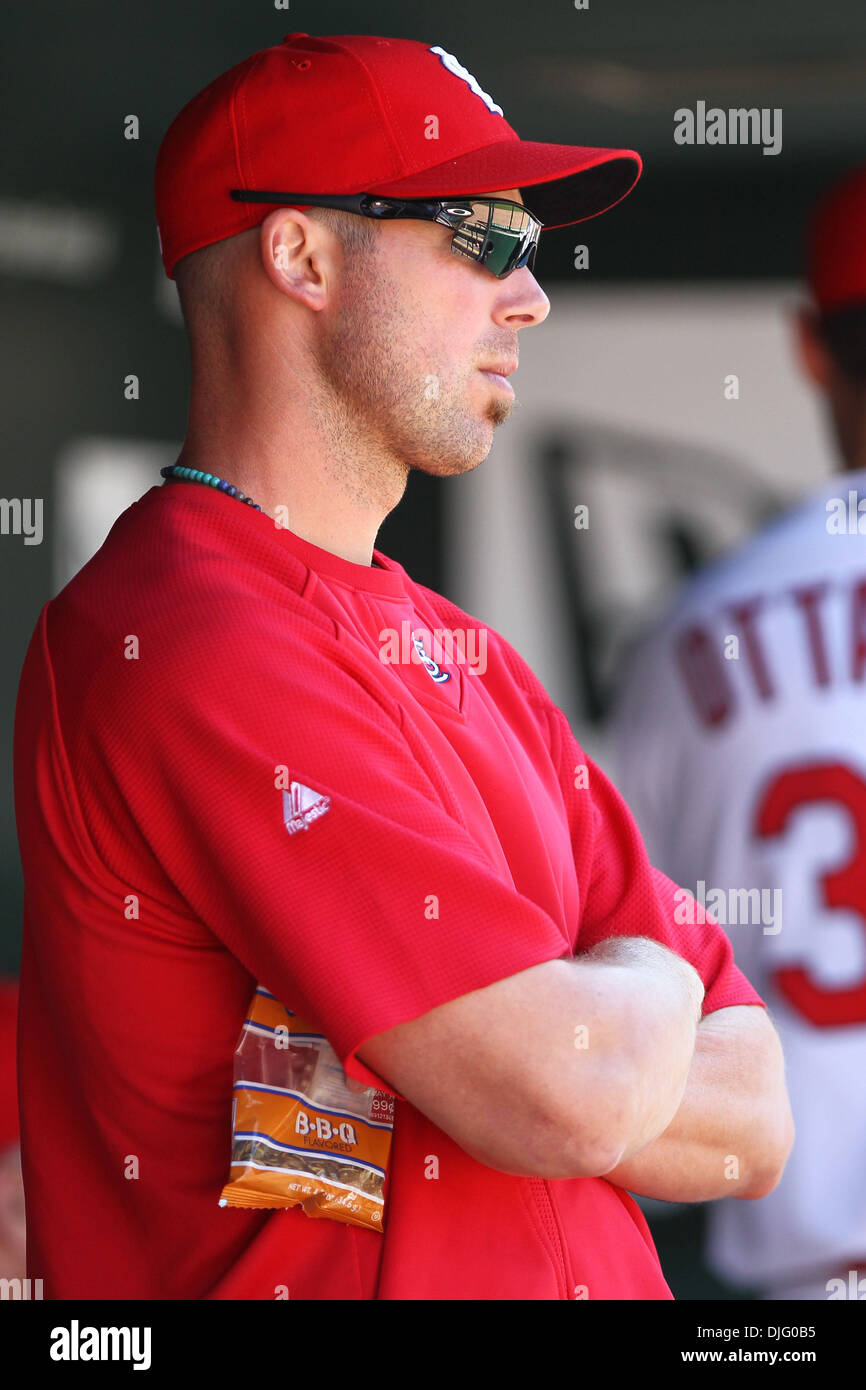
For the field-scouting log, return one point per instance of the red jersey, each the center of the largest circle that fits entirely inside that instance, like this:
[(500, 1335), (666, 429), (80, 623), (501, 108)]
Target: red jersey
[(443, 831)]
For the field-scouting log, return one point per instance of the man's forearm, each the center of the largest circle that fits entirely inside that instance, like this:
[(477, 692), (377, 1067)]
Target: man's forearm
[(733, 1130)]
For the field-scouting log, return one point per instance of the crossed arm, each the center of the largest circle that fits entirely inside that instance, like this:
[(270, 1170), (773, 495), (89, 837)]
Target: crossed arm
[(662, 1102), (733, 1131)]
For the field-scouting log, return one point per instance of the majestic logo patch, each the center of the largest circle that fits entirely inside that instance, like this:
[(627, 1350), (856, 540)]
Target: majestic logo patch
[(451, 63), (301, 806)]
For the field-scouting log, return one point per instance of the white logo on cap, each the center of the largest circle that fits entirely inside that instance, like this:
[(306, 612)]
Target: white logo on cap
[(451, 63)]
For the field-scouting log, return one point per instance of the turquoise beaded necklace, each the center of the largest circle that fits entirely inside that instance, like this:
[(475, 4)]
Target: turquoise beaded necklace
[(178, 473)]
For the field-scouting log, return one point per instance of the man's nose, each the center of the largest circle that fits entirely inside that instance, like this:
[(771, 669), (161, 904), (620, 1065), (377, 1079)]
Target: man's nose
[(522, 302)]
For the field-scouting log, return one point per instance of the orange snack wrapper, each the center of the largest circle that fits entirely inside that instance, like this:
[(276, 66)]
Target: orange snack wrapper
[(303, 1132)]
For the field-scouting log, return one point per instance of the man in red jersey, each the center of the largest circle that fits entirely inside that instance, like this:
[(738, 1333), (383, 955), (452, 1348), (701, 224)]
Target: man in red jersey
[(250, 749)]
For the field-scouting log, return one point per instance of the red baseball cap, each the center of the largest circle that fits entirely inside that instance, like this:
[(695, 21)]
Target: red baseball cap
[(836, 256), (360, 114)]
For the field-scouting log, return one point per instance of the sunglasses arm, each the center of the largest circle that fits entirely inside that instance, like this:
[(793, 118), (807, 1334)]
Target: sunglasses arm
[(367, 204)]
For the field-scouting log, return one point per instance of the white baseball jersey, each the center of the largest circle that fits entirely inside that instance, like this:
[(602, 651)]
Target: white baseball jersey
[(740, 746)]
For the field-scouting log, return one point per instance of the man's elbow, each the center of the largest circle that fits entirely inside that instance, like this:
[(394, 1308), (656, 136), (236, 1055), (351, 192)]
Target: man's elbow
[(777, 1140), (593, 1156), (555, 1138), (557, 1147), (603, 1131)]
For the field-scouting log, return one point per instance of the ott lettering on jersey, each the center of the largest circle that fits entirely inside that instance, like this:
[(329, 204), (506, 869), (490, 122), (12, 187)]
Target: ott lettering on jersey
[(457, 68), (301, 806), (820, 611)]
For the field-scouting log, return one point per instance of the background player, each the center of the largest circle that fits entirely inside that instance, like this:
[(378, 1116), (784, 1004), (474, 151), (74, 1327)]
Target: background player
[(740, 743)]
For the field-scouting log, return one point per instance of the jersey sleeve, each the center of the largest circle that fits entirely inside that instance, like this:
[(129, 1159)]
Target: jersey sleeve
[(283, 798)]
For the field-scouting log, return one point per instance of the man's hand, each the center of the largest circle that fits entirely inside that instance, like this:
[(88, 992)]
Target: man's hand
[(733, 1131)]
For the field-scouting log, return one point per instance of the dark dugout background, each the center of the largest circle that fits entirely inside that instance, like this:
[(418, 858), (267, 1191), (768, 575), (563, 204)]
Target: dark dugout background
[(83, 296)]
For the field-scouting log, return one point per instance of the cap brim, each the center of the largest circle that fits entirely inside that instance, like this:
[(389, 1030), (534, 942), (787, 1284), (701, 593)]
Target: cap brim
[(560, 184)]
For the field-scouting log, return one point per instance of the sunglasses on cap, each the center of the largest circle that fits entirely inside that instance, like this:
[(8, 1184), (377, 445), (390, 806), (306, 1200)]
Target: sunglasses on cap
[(496, 233)]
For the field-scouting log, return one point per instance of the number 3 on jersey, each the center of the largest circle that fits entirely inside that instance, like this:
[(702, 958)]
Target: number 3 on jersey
[(843, 887)]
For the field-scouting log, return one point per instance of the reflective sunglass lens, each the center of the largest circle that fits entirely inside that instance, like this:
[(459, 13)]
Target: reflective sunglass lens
[(501, 236)]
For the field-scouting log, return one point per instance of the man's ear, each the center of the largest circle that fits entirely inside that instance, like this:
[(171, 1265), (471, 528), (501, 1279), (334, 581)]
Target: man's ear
[(812, 352), (298, 256)]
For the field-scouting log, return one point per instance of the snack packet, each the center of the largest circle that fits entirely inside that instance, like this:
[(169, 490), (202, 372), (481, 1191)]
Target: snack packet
[(303, 1132)]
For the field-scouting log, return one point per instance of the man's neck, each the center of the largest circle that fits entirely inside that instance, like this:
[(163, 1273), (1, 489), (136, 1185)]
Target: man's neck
[(308, 458), (321, 505)]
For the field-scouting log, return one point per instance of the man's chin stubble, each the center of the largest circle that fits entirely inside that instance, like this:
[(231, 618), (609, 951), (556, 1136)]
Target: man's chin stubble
[(500, 411)]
